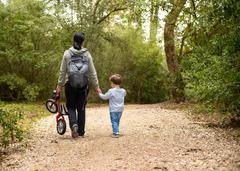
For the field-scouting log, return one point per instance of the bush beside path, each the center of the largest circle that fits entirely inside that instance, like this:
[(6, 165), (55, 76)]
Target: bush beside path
[(153, 138)]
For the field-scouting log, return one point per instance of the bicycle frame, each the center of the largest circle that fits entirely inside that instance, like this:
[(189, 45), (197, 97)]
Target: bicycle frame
[(60, 109)]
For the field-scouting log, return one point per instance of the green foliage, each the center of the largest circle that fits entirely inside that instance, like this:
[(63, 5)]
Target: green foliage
[(17, 88), (139, 62), (34, 35), (34, 42), (29, 50), (212, 70), (12, 86), (31, 92), (10, 130)]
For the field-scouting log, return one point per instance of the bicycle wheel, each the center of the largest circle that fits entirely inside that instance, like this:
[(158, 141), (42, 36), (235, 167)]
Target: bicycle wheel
[(61, 126), (51, 106)]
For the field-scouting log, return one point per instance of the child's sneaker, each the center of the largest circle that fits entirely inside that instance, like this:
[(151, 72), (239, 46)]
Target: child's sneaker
[(115, 135), (75, 131)]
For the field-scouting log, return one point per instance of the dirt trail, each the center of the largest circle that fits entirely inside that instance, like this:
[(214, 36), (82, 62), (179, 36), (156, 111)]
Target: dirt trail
[(152, 138)]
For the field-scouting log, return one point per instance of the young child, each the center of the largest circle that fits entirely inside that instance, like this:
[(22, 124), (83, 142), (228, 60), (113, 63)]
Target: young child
[(115, 95)]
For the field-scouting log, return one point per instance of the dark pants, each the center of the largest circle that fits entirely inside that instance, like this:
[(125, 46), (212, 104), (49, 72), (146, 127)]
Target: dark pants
[(76, 99)]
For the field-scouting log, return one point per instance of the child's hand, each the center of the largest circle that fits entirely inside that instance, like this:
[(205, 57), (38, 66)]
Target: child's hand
[(98, 90)]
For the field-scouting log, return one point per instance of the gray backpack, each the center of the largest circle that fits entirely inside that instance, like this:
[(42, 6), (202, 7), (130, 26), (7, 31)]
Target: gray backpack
[(78, 70)]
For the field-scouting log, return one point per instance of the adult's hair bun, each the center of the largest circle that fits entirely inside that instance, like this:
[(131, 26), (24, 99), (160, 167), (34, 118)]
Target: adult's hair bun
[(79, 37)]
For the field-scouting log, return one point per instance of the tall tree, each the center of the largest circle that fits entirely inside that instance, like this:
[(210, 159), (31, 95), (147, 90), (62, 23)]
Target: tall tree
[(170, 49), (154, 9)]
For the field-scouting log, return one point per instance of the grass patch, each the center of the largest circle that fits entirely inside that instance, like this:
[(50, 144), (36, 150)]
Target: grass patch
[(32, 111)]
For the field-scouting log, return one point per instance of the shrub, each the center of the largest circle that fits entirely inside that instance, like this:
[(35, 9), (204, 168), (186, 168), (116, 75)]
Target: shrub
[(139, 62), (31, 92), (10, 127), (12, 85)]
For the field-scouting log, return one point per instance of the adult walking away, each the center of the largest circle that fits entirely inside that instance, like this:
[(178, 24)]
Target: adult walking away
[(76, 70)]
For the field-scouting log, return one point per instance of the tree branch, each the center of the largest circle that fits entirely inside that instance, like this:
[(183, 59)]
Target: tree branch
[(194, 9), (185, 35), (107, 15), (95, 9)]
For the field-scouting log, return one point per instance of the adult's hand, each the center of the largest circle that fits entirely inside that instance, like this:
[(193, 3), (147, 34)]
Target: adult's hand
[(98, 90), (59, 89)]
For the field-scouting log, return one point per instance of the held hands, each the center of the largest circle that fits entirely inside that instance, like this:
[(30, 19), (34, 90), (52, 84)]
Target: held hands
[(98, 90)]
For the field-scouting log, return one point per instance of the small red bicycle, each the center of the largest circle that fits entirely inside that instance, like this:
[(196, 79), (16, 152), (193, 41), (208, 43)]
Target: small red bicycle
[(53, 105)]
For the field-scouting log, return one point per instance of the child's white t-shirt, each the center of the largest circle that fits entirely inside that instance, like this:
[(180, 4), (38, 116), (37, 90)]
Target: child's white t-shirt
[(116, 99)]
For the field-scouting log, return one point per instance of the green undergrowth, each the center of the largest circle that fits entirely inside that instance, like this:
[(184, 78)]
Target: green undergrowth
[(16, 120), (31, 111)]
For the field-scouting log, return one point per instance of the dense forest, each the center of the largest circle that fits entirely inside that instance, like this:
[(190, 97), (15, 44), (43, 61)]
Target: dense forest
[(164, 49)]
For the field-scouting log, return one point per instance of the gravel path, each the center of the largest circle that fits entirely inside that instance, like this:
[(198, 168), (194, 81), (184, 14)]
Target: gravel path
[(152, 138)]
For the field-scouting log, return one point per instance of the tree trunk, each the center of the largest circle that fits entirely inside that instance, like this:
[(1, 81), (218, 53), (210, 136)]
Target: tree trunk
[(170, 50), (139, 21), (154, 20)]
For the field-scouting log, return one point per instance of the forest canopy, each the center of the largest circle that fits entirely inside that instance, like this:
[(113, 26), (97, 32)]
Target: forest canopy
[(164, 49)]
